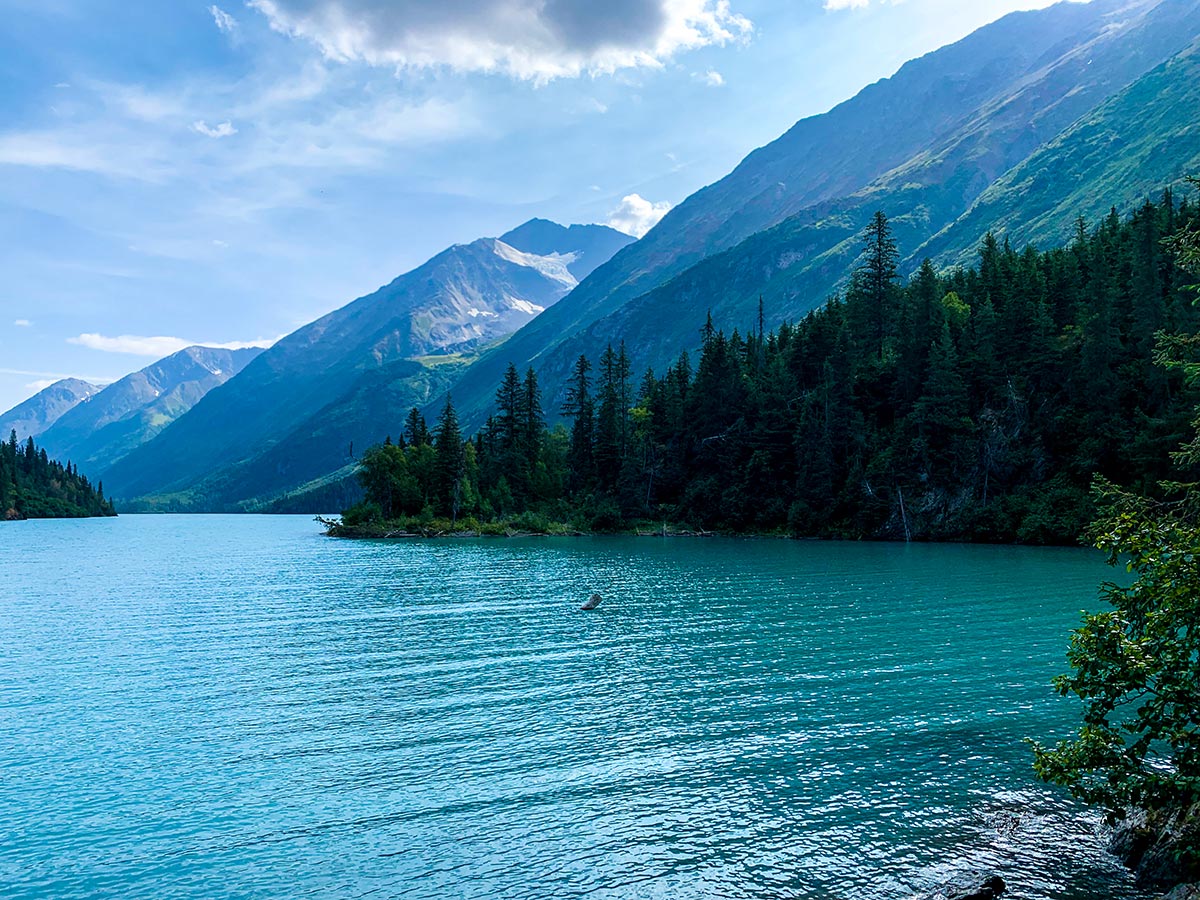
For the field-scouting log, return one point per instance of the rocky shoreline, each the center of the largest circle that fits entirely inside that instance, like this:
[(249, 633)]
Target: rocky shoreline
[(1159, 848)]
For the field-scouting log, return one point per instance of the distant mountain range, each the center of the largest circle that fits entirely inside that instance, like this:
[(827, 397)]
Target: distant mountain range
[(1019, 128), (43, 409), (298, 411), (105, 426)]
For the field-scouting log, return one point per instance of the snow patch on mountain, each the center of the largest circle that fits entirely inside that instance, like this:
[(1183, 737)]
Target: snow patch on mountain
[(553, 266), (525, 306)]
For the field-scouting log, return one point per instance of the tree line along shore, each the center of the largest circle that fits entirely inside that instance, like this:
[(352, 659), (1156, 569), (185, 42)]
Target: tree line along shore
[(976, 404)]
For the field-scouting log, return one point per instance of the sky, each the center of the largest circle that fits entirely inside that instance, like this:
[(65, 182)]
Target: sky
[(190, 172)]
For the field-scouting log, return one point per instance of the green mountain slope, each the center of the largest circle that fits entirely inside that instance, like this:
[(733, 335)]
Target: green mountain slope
[(1143, 139), (1126, 151), (105, 427), (989, 104)]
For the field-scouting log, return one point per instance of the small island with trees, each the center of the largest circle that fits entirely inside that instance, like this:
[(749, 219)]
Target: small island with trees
[(33, 486)]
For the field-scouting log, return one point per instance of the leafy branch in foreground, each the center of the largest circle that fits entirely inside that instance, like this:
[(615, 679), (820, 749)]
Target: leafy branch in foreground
[(1136, 666)]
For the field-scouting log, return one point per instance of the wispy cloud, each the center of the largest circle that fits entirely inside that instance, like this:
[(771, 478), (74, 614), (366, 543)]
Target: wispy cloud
[(51, 377), (157, 346), (81, 150), (224, 129), (712, 78), (636, 215), (22, 323), (526, 39), (846, 4), (225, 23), (302, 121)]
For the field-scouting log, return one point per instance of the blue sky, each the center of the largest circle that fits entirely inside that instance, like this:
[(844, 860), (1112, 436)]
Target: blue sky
[(190, 172)]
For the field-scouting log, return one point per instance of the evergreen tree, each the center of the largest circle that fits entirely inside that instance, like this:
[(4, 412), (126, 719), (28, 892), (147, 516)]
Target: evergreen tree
[(579, 408), (33, 486), (610, 427), (450, 465), (873, 288), (415, 430)]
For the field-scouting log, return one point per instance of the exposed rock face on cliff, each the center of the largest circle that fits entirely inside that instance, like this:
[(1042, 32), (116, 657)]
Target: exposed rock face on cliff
[(1162, 849)]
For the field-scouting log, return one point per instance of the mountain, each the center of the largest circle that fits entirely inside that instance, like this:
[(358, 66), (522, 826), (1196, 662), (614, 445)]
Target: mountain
[(1016, 128), (347, 379), (588, 246), (43, 409), (106, 426), (950, 139)]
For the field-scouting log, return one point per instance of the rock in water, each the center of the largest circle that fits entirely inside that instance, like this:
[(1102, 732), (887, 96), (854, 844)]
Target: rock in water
[(978, 887), (592, 602)]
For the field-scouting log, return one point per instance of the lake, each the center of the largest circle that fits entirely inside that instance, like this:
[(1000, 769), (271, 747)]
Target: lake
[(238, 707)]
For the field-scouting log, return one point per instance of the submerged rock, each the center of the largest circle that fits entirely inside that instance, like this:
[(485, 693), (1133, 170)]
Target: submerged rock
[(592, 602), (982, 889), (973, 887), (1184, 892)]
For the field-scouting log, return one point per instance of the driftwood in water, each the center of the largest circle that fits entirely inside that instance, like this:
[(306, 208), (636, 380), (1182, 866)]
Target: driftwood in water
[(592, 602)]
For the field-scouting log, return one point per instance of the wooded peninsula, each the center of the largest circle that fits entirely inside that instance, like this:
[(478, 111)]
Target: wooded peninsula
[(975, 404), (33, 486)]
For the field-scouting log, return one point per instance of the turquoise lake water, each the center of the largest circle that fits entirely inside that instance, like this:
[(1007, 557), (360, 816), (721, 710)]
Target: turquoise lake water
[(238, 707)]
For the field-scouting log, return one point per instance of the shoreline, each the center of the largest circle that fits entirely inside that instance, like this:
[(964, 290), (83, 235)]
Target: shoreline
[(398, 531), (441, 529)]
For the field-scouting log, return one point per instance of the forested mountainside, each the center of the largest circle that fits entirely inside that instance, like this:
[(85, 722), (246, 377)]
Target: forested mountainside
[(1018, 128), (975, 404), (33, 486), (1030, 121)]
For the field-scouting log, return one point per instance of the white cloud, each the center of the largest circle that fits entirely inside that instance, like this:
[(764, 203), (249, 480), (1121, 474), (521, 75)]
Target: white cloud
[(140, 102), (226, 23), (70, 149), (225, 129), (636, 215), (22, 323), (57, 376), (528, 39), (712, 78), (846, 4), (159, 346)]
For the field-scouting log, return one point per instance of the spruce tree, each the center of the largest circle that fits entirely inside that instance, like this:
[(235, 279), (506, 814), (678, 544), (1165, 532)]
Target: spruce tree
[(579, 408), (450, 465)]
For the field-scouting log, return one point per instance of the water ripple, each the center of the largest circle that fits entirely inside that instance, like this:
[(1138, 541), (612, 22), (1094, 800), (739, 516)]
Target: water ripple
[(236, 707)]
